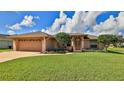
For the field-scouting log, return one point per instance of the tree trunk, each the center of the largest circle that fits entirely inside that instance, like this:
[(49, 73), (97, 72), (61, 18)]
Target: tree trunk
[(106, 47)]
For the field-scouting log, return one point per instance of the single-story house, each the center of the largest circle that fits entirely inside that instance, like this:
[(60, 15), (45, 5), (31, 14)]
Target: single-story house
[(40, 41), (5, 42)]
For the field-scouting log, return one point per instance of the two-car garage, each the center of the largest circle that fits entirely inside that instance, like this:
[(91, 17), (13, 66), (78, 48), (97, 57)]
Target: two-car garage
[(29, 45), (35, 41)]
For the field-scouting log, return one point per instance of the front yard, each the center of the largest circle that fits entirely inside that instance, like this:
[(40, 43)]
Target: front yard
[(116, 50), (76, 66)]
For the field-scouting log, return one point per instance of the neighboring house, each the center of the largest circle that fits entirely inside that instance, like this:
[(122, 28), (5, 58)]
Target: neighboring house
[(5, 42), (40, 41)]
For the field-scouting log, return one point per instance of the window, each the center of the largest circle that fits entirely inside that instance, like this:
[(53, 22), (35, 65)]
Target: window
[(93, 46), (68, 44)]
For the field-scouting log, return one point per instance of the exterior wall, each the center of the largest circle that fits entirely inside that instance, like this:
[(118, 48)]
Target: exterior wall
[(82, 43), (5, 43), (86, 43), (95, 43), (51, 43)]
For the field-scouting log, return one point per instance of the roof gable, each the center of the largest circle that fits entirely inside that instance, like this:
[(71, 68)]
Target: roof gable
[(33, 34)]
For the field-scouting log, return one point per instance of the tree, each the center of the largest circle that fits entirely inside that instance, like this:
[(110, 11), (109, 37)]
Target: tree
[(63, 39), (106, 40), (120, 40), (114, 39)]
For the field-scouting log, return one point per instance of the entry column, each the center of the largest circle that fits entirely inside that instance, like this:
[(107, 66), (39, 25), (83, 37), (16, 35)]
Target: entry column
[(44, 45), (82, 43), (72, 43), (15, 45)]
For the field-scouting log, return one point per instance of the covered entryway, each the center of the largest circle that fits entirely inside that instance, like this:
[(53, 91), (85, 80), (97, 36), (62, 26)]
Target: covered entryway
[(77, 43), (30, 45)]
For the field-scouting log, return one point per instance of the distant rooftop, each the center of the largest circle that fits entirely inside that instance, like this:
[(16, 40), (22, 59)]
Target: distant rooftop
[(4, 37)]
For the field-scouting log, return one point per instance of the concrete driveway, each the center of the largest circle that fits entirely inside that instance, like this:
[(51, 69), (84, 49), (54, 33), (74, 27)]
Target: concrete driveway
[(6, 56)]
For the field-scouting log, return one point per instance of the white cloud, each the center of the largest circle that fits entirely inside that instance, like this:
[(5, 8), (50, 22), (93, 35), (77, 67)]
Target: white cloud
[(77, 24), (111, 25), (57, 23), (90, 17), (107, 27), (46, 31), (43, 30), (15, 27), (11, 32), (28, 21), (120, 20), (80, 21)]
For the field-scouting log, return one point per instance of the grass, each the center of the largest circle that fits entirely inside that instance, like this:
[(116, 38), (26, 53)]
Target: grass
[(5, 50), (77, 66), (117, 50)]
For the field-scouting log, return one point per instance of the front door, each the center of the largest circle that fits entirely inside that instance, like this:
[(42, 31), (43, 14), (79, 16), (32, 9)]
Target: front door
[(77, 43)]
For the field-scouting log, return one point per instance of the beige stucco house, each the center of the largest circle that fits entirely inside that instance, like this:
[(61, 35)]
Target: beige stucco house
[(5, 42), (40, 41)]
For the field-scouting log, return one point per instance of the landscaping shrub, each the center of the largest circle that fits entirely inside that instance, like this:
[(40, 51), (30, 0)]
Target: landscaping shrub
[(56, 50), (69, 48)]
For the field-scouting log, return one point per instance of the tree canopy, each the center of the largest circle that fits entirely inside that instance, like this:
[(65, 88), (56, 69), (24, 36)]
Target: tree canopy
[(63, 38), (108, 39), (120, 41)]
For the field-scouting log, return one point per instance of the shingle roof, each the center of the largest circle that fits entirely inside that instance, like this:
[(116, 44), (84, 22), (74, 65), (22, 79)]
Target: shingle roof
[(86, 35), (41, 34), (92, 37), (33, 34)]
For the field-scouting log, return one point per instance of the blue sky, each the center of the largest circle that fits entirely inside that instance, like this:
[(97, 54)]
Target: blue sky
[(40, 20), (104, 16)]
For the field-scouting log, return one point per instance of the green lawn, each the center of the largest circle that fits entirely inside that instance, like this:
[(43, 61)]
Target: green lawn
[(77, 66), (5, 50), (117, 50)]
